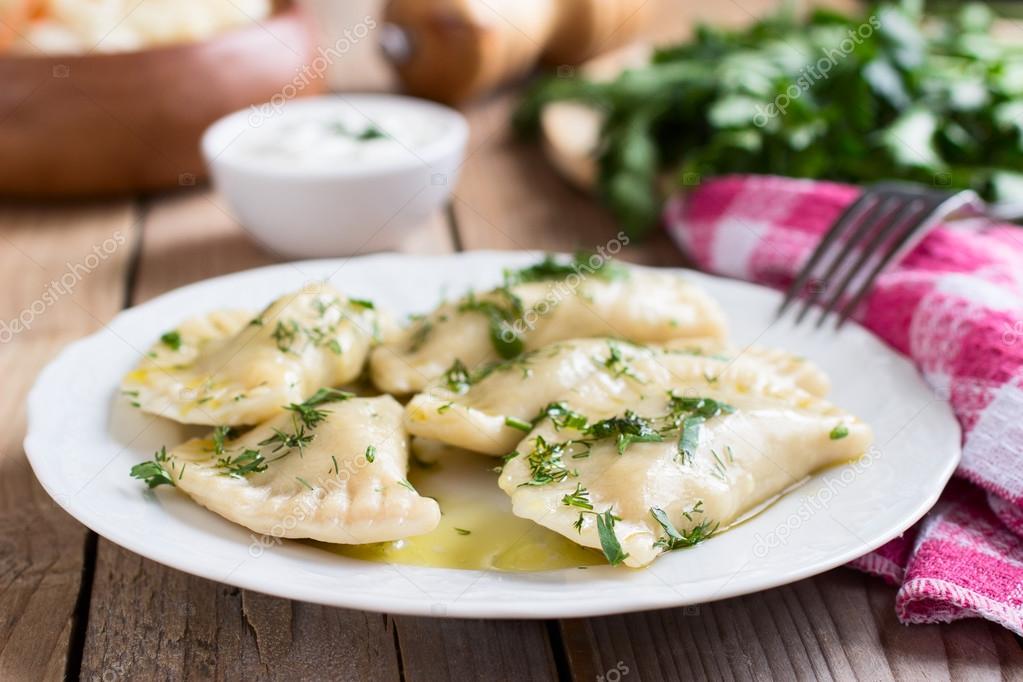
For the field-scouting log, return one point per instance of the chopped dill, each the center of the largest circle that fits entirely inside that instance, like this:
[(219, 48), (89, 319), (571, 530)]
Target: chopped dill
[(580, 498), (248, 462)]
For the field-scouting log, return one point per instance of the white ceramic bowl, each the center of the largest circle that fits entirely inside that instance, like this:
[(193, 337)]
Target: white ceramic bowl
[(300, 203)]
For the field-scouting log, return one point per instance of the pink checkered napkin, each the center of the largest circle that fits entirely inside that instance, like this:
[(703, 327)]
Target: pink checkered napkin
[(955, 306)]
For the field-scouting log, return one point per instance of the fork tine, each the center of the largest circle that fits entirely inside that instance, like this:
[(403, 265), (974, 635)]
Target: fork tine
[(847, 218), (915, 232), (889, 225), (876, 213)]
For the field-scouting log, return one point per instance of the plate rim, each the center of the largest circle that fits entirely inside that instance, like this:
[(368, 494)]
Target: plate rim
[(524, 609)]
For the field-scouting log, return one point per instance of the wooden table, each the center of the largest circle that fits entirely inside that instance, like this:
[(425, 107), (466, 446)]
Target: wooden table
[(73, 604)]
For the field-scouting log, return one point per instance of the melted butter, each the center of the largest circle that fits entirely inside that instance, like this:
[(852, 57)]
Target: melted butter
[(466, 487), (464, 484), (139, 375)]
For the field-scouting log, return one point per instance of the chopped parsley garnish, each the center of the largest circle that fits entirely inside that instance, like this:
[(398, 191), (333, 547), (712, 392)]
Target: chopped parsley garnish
[(503, 335), (220, 435), (704, 407), (608, 540), (546, 463), (457, 377), (153, 472), (172, 340), (308, 411), (839, 432), (562, 417), (550, 268), (683, 420), (516, 423), (371, 133), (248, 462), (420, 335), (720, 470), (580, 498), (675, 539), (289, 441), (362, 303), (689, 437), (616, 365), (628, 429), (284, 335), (335, 347), (371, 454)]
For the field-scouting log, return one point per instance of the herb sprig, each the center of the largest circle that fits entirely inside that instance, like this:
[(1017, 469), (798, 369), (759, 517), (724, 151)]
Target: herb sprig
[(154, 473)]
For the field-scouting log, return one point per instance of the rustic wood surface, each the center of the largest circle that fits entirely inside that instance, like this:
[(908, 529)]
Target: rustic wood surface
[(76, 606)]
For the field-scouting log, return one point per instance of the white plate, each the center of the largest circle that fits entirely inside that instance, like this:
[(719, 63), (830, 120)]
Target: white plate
[(81, 450)]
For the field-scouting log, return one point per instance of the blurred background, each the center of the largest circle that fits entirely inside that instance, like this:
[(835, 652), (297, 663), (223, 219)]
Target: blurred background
[(628, 101)]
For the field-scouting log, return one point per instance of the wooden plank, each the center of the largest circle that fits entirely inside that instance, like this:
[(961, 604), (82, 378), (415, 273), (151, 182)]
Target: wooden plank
[(66, 276), (433, 649), (840, 625)]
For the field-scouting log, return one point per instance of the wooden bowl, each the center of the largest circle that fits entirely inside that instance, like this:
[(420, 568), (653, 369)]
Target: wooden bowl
[(101, 124)]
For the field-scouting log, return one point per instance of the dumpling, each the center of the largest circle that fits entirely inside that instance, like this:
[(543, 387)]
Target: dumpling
[(798, 369), (488, 410), (533, 310), (661, 464), (234, 369), (331, 469)]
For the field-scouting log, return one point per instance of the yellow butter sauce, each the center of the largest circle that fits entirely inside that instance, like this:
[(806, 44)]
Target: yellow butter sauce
[(477, 528), (465, 485)]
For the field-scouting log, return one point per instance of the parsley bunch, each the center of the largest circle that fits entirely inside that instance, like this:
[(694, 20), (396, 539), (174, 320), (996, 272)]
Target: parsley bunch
[(888, 95)]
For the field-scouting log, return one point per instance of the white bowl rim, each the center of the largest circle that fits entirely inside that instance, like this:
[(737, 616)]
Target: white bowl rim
[(452, 142)]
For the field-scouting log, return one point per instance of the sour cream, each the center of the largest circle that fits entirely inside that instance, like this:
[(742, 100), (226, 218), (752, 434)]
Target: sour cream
[(335, 133), (336, 175)]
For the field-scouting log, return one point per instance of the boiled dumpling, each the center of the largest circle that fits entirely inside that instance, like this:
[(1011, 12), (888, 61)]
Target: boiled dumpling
[(233, 369), (532, 311), (331, 469), (661, 464), (487, 410)]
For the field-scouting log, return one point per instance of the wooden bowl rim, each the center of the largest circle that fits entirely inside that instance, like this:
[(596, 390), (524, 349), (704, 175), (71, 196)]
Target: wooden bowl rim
[(284, 11)]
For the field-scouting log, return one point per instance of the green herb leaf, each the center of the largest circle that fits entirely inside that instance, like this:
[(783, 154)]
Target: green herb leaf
[(608, 540), (220, 435), (689, 437), (676, 539), (248, 462), (580, 498), (154, 472), (518, 424), (562, 417), (457, 377), (172, 340), (839, 432), (362, 303)]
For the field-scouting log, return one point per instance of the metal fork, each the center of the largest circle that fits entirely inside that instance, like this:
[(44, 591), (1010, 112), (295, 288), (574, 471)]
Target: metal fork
[(872, 234)]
